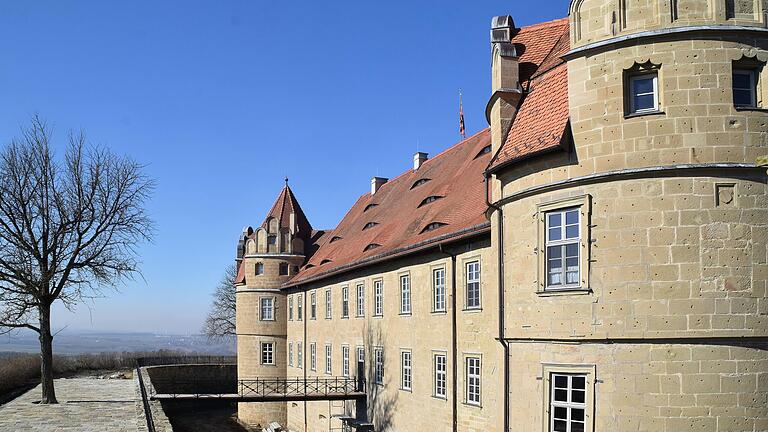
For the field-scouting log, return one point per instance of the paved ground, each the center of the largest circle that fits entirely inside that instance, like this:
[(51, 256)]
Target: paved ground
[(85, 405)]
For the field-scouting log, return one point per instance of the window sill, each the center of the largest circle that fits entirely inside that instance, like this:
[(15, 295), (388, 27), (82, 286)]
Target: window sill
[(442, 398), (564, 291), (345, 317), (643, 113), (439, 312), (473, 309), (750, 108), (377, 315), (472, 404), (405, 314), (406, 390)]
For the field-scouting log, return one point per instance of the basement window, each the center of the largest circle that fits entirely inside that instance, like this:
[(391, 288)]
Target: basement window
[(433, 226), (369, 225), (430, 199), (420, 182)]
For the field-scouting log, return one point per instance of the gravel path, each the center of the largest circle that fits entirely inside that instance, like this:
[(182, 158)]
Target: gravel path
[(85, 405)]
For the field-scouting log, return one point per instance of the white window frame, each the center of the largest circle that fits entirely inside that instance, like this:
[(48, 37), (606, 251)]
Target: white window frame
[(268, 353), (345, 360), (643, 76), (378, 297), (328, 359), (313, 356), (378, 366), (345, 302), (438, 290), (300, 308), (290, 308), (328, 304), (568, 404), (405, 295), (472, 282), (473, 378), (549, 370), (267, 309), (360, 294), (406, 370), (300, 355), (313, 305), (440, 368), (290, 353), (562, 244), (753, 77)]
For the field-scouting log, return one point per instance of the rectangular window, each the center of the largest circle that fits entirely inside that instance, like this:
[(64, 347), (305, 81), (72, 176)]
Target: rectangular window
[(567, 402), (283, 269), (438, 290), (300, 308), (312, 356), (441, 370), (473, 380), (299, 355), (267, 353), (473, 285), (328, 359), (290, 308), (267, 309), (328, 305), (290, 353), (378, 363), (313, 306), (360, 300), (643, 93), (405, 294), (562, 248), (345, 360), (744, 87), (406, 369), (378, 298), (345, 302)]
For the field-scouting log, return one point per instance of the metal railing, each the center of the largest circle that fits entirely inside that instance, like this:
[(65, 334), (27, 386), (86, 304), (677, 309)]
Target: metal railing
[(145, 402), (330, 386)]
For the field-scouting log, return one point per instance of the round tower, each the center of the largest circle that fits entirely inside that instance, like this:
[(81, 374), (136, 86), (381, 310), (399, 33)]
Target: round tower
[(268, 256)]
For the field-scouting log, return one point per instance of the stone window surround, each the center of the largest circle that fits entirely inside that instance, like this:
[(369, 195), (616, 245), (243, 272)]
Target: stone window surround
[(403, 353), (435, 354), (345, 301), (757, 66), (290, 353), (584, 203), (432, 270), (359, 299), (378, 299), (465, 399), (273, 307), (313, 305), (345, 360), (328, 359), (328, 304), (272, 351), (400, 276), (636, 70), (465, 261), (312, 356), (590, 370)]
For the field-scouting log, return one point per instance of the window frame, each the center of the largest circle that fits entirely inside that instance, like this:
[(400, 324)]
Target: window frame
[(587, 370), (345, 301), (468, 377), (345, 360), (272, 312), (754, 78), (439, 376), (405, 289), (467, 263), (435, 304), (378, 366), (313, 305), (378, 298), (632, 78), (268, 352), (562, 244), (584, 205), (290, 354), (259, 268), (300, 355), (359, 299), (290, 308), (328, 304), (406, 370), (283, 269), (328, 359), (300, 307), (313, 356)]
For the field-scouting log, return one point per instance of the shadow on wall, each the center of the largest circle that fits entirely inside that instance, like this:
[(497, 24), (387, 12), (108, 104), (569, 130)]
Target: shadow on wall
[(381, 403)]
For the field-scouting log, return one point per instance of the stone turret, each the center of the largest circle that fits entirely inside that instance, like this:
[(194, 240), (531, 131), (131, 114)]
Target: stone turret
[(268, 257)]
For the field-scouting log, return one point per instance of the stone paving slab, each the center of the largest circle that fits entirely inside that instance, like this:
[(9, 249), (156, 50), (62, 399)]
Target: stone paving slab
[(85, 404)]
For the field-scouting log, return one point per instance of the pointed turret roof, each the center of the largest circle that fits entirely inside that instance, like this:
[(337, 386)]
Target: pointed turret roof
[(286, 204)]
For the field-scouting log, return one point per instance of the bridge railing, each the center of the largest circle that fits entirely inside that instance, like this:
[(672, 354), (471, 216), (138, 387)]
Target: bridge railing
[(317, 386)]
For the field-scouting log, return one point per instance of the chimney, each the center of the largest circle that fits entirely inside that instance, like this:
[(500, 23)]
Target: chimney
[(505, 78), (418, 160), (376, 183)]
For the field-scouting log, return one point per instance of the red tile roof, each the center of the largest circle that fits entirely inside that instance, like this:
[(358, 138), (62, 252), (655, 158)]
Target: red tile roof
[(285, 204), (541, 122), (456, 175)]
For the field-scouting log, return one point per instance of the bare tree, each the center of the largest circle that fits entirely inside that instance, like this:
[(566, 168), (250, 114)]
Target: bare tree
[(220, 323), (69, 228)]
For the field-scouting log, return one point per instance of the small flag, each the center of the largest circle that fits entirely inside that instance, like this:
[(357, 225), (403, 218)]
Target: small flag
[(462, 131)]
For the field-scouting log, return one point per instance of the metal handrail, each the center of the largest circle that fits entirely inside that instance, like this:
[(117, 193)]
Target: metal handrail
[(145, 402)]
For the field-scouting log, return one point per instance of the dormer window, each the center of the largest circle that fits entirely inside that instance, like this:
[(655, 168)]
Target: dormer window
[(420, 182), (433, 226), (334, 239), (429, 199), (484, 150), (371, 246), (325, 261), (369, 225), (308, 266), (369, 206)]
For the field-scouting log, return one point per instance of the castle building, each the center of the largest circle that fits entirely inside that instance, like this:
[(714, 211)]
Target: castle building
[(595, 260)]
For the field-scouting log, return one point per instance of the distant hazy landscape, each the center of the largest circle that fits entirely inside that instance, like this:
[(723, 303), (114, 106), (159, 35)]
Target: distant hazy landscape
[(79, 342)]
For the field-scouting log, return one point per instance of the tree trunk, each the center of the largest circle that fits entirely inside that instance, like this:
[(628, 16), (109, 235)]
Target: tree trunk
[(46, 356)]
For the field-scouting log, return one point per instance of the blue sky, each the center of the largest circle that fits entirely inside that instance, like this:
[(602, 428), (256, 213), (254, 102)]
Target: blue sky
[(223, 99)]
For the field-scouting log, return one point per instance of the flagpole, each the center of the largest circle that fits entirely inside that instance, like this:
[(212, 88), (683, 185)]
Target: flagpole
[(462, 130)]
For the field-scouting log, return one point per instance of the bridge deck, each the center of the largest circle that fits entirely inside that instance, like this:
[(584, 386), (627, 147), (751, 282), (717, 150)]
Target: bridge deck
[(234, 397)]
